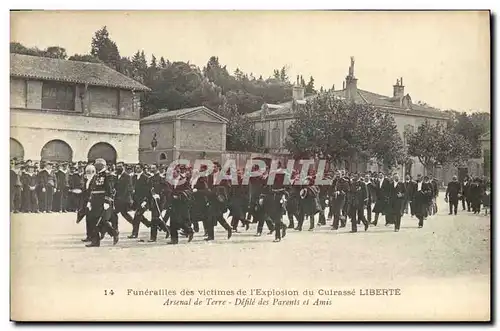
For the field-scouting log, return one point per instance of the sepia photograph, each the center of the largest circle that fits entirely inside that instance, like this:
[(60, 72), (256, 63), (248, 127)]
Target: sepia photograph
[(250, 166)]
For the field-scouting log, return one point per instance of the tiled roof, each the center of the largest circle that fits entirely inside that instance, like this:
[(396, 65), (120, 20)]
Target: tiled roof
[(279, 109), (44, 68), (365, 97), (163, 114)]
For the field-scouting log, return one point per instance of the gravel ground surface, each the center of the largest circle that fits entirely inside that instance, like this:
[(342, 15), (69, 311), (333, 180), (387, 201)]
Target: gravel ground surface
[(442, 272)]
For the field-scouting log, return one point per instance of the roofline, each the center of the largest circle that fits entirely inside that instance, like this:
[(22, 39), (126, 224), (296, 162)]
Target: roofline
[(167, 119), (211, 112), (143, 88), (388, 109)]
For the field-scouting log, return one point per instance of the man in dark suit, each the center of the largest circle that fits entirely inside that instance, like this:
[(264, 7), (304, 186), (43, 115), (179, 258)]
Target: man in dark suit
[(435, 192), (179, 195), (219, 186), (357, 197), (396, 202), (16, 187), (338, 194), (75, 188), (466, 193), (46, 185), (199, 206), (422, 195), (158, 203), (370, 191), (142, 192), (123, 195), (61, 194), (101, 199), (453, 194), (383, 189), (475, 195), (30, 183), (409, 189)]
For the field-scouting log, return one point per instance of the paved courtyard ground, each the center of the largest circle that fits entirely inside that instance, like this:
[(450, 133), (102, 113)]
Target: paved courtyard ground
[(442, 272)]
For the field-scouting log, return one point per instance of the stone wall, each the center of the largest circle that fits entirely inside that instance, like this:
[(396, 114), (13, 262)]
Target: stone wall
[(204, 136), (33, 130), (164, 135), (96, 101)]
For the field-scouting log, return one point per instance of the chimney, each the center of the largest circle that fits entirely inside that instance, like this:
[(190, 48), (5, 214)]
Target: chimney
[(298, 91), (399, 88), (351, 83)]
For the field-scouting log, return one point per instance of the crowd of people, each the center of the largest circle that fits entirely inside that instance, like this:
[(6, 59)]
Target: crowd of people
[(99, 192)]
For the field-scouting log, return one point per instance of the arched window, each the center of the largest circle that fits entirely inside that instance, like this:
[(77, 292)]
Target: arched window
[(16, 149), (57, 151), (163, 157), (102, 150)]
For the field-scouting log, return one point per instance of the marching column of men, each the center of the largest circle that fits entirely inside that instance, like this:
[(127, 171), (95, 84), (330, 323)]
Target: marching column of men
[(101, 193)]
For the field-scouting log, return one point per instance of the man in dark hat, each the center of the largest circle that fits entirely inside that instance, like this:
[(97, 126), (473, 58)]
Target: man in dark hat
[(452, 195), (199, 204), (179, 195), (396, 202), (100, 204), (123, 197), (75, 189), (422, 196), (357, 198), (383, 190), (338, 194), (218, 201), (476, 195), (158, 201), (46, 184), (141, 194), (61, 193), (30, 181), (15, 187), (274, 201)]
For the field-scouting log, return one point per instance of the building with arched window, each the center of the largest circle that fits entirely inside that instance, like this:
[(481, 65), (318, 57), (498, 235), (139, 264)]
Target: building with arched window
[(70, 111), (273, 120)]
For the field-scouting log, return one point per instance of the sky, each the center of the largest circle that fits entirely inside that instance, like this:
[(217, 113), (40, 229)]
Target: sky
[(443, 57)]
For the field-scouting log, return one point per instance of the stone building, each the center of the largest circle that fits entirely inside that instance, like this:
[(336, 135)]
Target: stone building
[(69, 111), (190, 133), (272, 121)]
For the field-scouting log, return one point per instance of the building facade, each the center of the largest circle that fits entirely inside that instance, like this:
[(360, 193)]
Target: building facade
[(70, 111), (191, 133), (272, 121)]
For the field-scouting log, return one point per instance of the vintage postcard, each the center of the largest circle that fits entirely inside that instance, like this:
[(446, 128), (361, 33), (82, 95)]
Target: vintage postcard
[(250, 166)]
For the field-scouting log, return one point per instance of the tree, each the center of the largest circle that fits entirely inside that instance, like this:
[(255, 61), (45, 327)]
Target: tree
[(436, 145), (84, 58), (276, 74), (181, 85), (470, 126), (105, 49), (163, 64), (140, 66), (153, 61), (310, 86), (240, 130), (56, 52), (338, 131), (283, 74)]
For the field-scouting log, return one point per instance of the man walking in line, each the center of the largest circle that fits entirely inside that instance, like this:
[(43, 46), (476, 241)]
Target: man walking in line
[(452, 195)]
